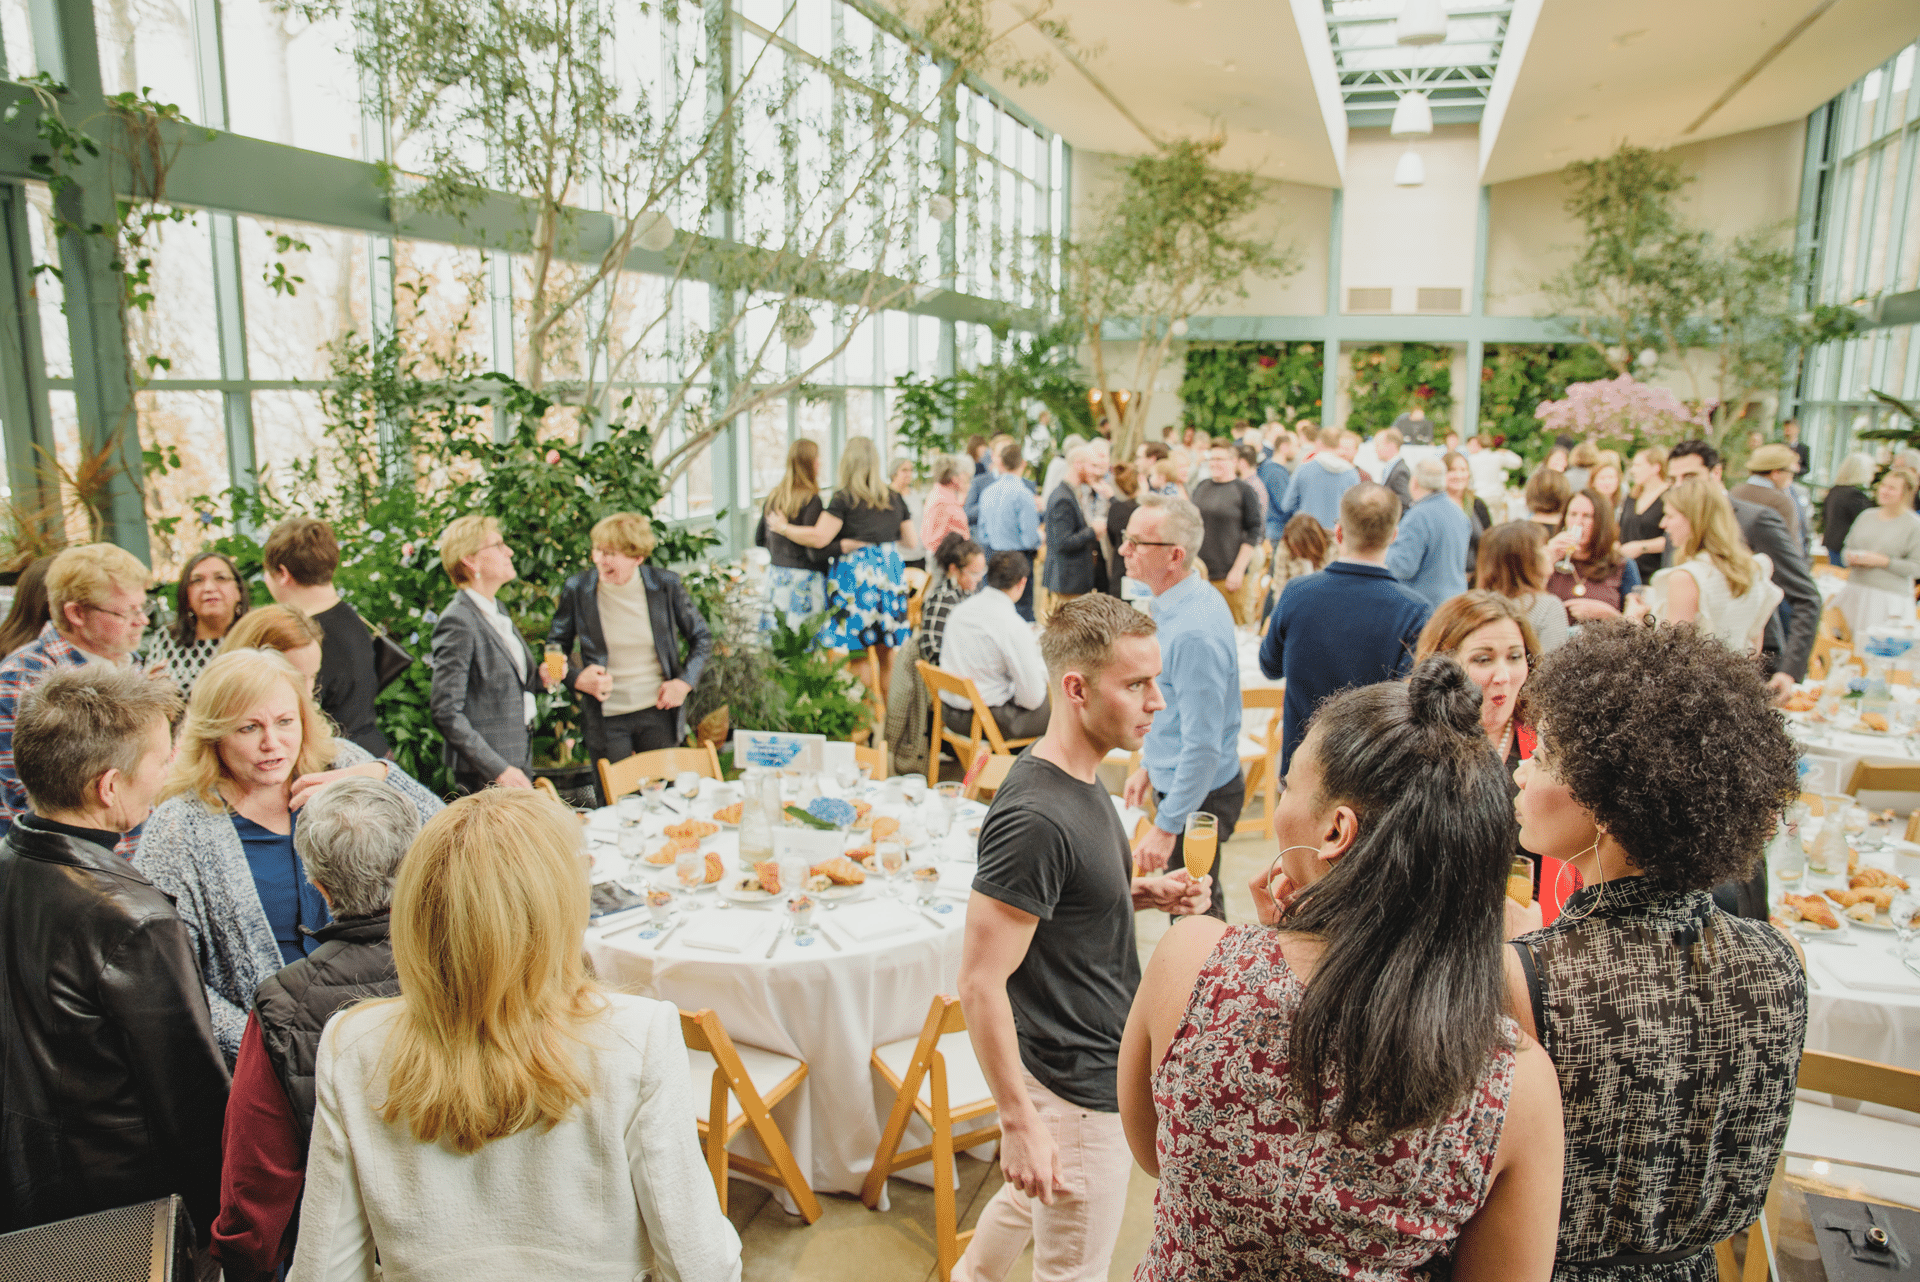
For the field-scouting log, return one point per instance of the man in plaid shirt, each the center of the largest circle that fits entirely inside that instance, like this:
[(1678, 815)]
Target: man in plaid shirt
[(96, 596)]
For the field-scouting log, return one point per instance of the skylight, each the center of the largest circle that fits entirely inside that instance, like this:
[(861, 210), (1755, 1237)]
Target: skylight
[(1456, 74)]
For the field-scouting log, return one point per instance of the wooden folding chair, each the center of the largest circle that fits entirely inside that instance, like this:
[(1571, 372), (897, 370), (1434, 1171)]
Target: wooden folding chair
[(1839, 1075), (984, 730), (543, 784), (1868, 777), (754, 1081), (618, 778), (874, 759), (936, 1076), (917, 582), (1260, 766), (992, 774), (1832, 634)]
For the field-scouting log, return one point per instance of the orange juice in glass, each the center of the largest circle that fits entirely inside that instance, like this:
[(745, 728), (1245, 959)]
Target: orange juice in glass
[(555, 663), (1201, 842), (1520, 881)]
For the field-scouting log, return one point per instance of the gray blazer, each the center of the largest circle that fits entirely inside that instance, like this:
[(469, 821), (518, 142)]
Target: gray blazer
[(476, 701)]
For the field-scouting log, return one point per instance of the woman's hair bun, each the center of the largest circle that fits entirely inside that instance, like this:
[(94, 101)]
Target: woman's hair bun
[(1440, 693)]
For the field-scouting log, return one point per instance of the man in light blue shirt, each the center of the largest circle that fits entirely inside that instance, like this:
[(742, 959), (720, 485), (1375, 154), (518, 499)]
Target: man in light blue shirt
[(1191, 758), (1429, 556), (1010, 517)]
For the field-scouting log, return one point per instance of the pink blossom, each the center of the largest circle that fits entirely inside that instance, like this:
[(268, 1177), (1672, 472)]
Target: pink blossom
[(553, 456), (1621, 409)]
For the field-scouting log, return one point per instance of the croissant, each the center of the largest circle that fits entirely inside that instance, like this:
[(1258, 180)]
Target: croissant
[(769, 874), (696, 829), (1814, 910), (1868, 877), (715, 869), (841, 871)]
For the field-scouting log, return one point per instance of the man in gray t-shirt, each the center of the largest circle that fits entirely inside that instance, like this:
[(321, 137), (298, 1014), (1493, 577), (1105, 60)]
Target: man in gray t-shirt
[(1050, 966)]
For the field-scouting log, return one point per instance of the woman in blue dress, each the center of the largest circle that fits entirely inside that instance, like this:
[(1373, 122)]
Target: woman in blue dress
[(868, 523)]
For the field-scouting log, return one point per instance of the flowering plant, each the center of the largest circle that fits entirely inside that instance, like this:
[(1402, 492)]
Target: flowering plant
[(1620, 409)]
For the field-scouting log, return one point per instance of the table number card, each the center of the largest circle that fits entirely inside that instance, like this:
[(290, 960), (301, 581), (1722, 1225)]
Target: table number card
[(809, 844), (772, 751)]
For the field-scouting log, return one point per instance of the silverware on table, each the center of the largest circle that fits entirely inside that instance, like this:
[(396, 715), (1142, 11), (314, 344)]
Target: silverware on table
[(930, 917), (778, 935), (822, 932), (673, 930)]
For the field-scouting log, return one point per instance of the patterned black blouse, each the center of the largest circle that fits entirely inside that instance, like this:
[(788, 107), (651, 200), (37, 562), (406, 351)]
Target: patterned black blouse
[(1676, 1030)]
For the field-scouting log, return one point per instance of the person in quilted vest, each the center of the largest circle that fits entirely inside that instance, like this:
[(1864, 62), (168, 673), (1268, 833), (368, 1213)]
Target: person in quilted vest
[(351, 838)]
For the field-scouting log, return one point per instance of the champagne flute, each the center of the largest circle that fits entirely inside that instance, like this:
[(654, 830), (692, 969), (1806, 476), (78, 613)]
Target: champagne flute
[(1201, 842), (1520, 880), (893, 857), (554, 661)]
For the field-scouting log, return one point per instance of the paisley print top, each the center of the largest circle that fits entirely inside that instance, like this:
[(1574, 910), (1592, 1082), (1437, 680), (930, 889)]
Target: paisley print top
[(1676, 1030), (1253, 1186)]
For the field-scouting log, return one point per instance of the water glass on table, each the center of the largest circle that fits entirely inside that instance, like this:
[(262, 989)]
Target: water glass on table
[(1905, 904), (951, 793), (633, 844), (652, 792), (690, 870), (892, 857), (687, 784), (631, 808)]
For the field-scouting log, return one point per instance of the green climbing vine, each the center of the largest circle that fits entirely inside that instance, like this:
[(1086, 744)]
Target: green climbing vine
[(1390, 379), (1226, 382)]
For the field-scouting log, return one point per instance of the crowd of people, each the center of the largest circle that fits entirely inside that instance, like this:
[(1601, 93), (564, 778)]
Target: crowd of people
[(349, 1013)]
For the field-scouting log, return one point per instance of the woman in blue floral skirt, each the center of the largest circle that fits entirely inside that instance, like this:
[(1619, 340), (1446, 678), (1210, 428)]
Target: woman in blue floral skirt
[(796, 581), (869, 522)]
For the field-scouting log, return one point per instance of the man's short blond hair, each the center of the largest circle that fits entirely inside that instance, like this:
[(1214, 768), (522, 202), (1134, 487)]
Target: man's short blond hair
[(464, 538), (627, 533), (1392, 437), (84, 575), (1330, 438), (1081, 634)]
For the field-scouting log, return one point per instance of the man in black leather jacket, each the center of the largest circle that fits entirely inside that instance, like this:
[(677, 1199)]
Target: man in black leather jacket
[(112, 1088)]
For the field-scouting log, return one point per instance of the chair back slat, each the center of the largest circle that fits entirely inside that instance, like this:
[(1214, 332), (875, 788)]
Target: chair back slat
[(1861, 1079), (618, 778)]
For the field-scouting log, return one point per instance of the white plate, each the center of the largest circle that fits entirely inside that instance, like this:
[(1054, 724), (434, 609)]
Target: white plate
[(733, 887), (839, 892)]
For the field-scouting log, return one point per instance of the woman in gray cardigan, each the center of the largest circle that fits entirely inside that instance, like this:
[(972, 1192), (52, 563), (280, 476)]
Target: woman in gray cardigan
[(1882, 553), (253, 751)]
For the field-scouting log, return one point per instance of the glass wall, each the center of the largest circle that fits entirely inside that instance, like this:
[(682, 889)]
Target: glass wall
[(959, 202), (1860, 231)]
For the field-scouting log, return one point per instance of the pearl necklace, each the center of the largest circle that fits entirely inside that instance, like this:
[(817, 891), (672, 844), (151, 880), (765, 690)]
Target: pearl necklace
[(1506, 740)]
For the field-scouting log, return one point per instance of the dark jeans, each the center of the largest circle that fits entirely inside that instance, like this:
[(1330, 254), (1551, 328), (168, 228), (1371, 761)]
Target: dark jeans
[(1016, 722), (617, 738), (1225, 804), (1025, 604)]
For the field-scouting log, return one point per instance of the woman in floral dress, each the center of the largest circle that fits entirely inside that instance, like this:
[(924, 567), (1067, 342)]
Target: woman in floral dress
[(1337, 1091), (869, 522)]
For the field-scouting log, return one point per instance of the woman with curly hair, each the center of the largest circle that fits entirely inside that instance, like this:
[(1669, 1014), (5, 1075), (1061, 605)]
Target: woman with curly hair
[(1676, 1028), (1337, 1087)]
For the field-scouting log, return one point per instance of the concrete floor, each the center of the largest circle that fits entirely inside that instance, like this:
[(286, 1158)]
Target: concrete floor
[(851, 1242)]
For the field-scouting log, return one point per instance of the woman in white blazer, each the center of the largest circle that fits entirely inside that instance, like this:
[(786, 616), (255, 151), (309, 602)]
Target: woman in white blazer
[(505, 1117)]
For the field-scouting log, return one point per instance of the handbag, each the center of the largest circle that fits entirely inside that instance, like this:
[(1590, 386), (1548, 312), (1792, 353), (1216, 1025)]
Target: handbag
[(390, 659)]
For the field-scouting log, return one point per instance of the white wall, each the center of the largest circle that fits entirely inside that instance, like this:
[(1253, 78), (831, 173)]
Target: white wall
[(1409, 238)]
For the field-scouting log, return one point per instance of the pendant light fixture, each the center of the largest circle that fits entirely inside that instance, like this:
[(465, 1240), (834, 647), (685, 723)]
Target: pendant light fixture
[(1412, 116), (1409, 172), (654, 232), (1421, 22)]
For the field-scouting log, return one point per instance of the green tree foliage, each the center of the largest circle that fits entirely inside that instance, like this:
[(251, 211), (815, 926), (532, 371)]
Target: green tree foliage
[(1227, 382), (1390, 379), (1039, 372), (1169, 240)]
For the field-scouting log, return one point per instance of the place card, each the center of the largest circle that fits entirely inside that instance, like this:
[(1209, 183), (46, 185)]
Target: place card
[(773, 751), (811, 844)]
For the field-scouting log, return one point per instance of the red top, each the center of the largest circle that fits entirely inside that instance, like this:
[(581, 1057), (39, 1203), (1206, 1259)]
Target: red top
[(1254, 1185), (944, 515), (262, 1172), (1557, 881)]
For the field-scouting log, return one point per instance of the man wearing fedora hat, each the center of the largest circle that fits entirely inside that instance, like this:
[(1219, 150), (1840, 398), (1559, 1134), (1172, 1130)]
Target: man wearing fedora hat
[(1770, 472)]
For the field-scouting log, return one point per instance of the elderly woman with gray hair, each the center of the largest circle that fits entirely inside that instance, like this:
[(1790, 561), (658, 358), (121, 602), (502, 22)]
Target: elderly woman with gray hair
[(351, 837), (254, 751)]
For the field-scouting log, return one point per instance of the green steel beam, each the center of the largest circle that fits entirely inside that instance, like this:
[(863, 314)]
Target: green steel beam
[(25, 414), (1360, 329)]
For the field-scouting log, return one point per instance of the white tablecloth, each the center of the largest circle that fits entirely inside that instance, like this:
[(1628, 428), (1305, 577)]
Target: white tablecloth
[(1834, 753), (1849, 1010)]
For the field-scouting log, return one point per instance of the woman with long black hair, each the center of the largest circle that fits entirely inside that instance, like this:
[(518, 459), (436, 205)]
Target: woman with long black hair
[(1340, 1082)]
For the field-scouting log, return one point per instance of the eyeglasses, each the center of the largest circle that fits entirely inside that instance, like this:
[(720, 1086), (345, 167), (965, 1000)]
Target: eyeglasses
[(124, 616), (497, 543), (1127, 539), (202, 580)]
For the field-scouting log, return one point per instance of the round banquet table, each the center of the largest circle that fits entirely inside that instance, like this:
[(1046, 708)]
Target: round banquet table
[(827, 1008)]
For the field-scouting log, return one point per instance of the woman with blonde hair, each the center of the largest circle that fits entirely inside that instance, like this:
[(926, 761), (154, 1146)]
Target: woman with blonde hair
[(1882, 555), (253, 750), (1514, 563), (1714, 582), (870, 522), (797, 580), (285, 628), (504, 1068), (1460, 490), (1846, 500), (1640, 516)]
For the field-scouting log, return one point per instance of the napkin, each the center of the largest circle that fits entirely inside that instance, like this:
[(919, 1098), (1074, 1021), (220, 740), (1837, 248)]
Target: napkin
[(1869, 970), (864, 923), (957, 877), (734, 931)]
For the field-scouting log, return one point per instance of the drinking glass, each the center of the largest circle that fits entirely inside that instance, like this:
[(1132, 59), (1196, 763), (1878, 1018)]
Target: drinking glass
[(690, 869), (633, 844), (893, 857), (865, 772), (1520, 880), (687, 784), (554, 661), (631, 808), (913, 788), (950, 793), (1201, 843), (651, 791), (848, 777)]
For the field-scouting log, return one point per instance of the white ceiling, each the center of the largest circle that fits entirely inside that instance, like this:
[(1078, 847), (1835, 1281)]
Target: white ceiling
[(1592, 74), (1595, 75)]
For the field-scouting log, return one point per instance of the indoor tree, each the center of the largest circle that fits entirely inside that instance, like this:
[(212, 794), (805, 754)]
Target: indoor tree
[(1169, 240), (674, 131)]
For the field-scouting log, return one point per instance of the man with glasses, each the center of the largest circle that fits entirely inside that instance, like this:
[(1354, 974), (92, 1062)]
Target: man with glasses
[(96, 600), (484, 674)]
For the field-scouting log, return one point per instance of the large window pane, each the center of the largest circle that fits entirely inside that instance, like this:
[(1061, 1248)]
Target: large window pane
[(290, 80), (148, 46), (288, 335), (189, 425), (289, 430), (180, 327)]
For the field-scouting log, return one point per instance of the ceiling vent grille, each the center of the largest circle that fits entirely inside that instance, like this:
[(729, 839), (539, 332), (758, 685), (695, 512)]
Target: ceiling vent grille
[(1438, 300), (1369, 300)]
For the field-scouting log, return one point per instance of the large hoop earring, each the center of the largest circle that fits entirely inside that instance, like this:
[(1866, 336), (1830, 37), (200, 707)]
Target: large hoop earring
[(1599, 894), (1273, 867)]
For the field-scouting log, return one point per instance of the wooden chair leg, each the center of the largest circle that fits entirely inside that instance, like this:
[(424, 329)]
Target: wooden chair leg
[(945, 1215), (890, 1141), (1723, 1256), (776, 1145)]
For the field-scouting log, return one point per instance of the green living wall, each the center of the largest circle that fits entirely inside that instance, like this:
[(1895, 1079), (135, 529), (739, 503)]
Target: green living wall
[(1226, 382), (1516, 377), (1392, 378)]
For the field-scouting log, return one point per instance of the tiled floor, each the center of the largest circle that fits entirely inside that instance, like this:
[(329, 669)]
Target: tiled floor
[(850, 1242)]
